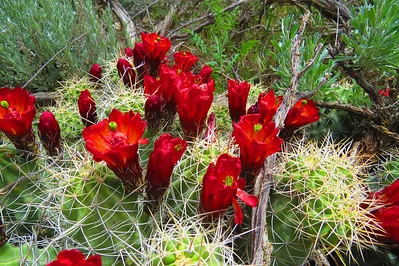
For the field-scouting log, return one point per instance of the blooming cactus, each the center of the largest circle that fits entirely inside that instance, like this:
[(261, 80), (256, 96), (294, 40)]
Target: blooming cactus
[(126, 72), (221, 185), (49, 133), (95, 73), (167, 151), (256, 141), (184, 61), (302, 113), (115, 141), (237, 94), (87, 108), (155, 48), (193, 103), (74, 257), (17, 110), (268, 104)]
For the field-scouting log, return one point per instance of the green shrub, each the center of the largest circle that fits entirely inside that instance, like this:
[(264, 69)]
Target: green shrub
[(33, 31)]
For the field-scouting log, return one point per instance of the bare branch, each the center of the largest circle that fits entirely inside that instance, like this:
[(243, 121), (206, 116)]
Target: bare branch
[(362, 112), (125, 19)]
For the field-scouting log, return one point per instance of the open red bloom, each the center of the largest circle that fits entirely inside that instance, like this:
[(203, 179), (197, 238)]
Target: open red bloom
[(256, 141), (74, 257), (268, 103), (167, 151), (126, 72), (95, 73), (184, 61), (220, 187), (193, 103), (155, 46), (302, 113), (115, 141), (17, 110), (237, 94), (49, 133), (87, 108)]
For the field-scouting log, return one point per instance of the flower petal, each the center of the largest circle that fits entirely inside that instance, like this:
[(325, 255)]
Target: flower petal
[(248, 199)]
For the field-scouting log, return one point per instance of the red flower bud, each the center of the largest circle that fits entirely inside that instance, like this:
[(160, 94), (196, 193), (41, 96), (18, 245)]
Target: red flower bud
[(153, 112), (115, 141), (74, 257), (237, 94), (210, 132), (205, 73), (388, 219), (17, 110), (221, 185), (184, 61), (126, 72), (87, 108), (49, 133), (384, 92), (167, 151), (95, 73), (128, 52), (268, 104)]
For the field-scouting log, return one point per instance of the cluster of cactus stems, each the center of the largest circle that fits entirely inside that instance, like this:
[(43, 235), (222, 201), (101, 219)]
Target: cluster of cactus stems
[(127, 185)]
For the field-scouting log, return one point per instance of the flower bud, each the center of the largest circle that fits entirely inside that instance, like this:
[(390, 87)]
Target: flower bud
[(49, 133)]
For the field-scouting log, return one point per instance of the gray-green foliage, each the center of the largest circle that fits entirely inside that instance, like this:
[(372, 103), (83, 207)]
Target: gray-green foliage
[(374, 35), (321, 68), (33, 31)]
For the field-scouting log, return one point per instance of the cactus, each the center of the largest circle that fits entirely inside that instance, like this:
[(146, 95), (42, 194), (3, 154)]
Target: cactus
[(316, 203)]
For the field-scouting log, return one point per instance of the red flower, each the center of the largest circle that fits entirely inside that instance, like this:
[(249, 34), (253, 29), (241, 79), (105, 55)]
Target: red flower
[(128, 52), (221, 185), (237, 94), (138, 58), (87, 108), (268, 104), (126, 72), (193, 103), (115, 141), (95, 73), (384, 92), (205, 73), (153, 112), (17, 110), (164, 86), (167, 151), (256, 141), (155, 46), (74, 257), (388, 219), (49, 133), (302, 113), (184, 61)]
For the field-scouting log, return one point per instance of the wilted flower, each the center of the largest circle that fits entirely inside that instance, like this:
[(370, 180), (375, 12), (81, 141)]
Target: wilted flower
[(257, 141), (167, 151), (17, 110), (237, 94), (184, 61), (95, 73), (193, 103), (115, 141), (87, 108), (126, 72), (153, 112), (221, 185), (74, 257), (49, 133)]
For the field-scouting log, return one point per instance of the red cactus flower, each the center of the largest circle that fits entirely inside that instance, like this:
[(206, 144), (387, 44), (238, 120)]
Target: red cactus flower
[(153, 112), (237, 94), (388, 219), (155, 46), (115, 141), (210, 132), (253, 109), (126, 72), (95, 73), (164, 86), (302, 113), (221, 185), (139, 58), (384, 92), (205, 73), (268, 104), (87, 108), (167, 151), (184, 61), (17, 110), (49, 133), (74, 257), (193, 104), (257, 141), (128, 52)]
